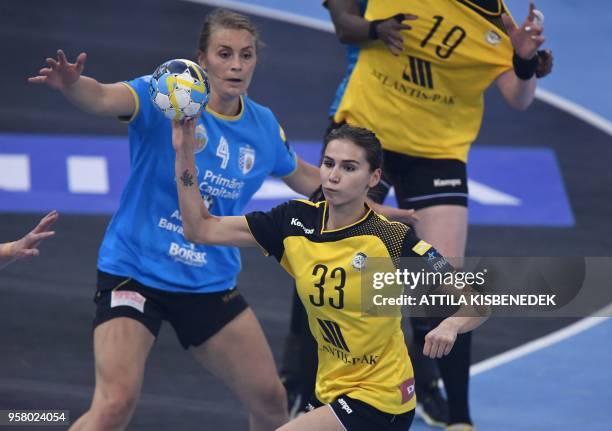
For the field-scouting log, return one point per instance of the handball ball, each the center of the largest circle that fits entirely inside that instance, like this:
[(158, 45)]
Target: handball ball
[(179, 89)]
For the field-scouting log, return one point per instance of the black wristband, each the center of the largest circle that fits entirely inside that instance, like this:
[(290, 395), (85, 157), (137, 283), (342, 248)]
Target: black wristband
[(524, 69), (373, 29)]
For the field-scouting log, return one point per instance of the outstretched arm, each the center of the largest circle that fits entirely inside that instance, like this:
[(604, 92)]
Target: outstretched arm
[(353, 28), (86, 93), (518, 85), (199, 226), (26, 247)]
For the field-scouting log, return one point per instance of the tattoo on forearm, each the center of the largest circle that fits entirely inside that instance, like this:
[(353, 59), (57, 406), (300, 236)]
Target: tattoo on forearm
[(187, 178)]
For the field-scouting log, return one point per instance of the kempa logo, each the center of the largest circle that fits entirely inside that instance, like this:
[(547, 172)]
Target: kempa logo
[(454, 182), (345, 406), (296, 222), (333, 334)]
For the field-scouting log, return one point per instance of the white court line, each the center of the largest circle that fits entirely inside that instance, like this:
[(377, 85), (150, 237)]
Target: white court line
[(267, 12), (576, 110), (543, 342)]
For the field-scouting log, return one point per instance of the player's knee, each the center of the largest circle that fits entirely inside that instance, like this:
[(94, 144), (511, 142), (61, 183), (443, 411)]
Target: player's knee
[(115, 408), (271, 398)]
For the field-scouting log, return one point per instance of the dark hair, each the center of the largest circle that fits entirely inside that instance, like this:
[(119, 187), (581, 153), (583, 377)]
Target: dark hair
[(361, 137), (224, 18)]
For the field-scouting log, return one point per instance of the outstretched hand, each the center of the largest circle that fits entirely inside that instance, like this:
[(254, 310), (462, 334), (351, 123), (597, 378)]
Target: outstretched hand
[(526, 39), (60, 74), (183, 135), (389, 32), (27, 246), (440, 340)]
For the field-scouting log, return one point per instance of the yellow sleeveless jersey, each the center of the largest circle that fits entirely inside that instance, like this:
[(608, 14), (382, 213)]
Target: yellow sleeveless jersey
[(428, 101), (360, 356)]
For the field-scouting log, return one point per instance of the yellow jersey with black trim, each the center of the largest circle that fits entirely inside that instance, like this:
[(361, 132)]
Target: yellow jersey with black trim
[(361, 356), (428, 101)]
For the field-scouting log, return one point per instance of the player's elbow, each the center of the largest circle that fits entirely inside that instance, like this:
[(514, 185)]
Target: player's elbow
[(522, 105), (192, 234), (344, 37)]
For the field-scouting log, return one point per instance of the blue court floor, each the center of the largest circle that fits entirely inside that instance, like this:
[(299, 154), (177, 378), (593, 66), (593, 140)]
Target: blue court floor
[(562, 387)]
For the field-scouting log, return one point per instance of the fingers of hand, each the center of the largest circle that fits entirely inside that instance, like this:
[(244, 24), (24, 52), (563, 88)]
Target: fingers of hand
[(46, 221), (45, 71), (533, 29), (37, 79), (437, 344), (531, 15), (80, 61), (28, 252), (508, 23), (427, 348), (52, 63), (61, 57), (448, 348), (36, 238), (410, 17), (442, 345)]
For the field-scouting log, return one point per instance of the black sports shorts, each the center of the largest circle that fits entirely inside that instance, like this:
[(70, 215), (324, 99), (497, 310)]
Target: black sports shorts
[(194, 316), (355, 415), (420, 182)]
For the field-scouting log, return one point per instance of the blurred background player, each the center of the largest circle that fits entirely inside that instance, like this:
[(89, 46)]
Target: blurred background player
[(419, 86), (27, 246), (364, 378)]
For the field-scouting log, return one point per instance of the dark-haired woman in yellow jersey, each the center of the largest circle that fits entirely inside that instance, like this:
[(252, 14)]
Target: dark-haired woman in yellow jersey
[(421, 90), (365, 379)]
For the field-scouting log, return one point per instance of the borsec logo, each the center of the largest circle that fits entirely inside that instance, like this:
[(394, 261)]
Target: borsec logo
[(359, 261), (201, 138)]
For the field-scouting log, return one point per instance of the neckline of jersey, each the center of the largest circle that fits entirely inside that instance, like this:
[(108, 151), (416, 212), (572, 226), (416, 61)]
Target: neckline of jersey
[(228, 117), (479, 8), (361, 220)]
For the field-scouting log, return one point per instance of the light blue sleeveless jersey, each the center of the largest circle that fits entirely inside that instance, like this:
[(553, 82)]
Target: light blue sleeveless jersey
[(144, 239)]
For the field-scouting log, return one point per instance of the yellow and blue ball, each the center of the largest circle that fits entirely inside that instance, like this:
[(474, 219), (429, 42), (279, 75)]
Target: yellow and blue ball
[(179, 89)]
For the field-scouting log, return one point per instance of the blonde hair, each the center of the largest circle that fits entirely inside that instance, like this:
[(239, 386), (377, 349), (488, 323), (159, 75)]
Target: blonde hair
[(223, 18)]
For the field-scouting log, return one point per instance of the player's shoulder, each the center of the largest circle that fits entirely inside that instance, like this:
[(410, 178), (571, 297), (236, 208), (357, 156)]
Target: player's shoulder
[(304, 206), (394, 227), (306, 211), (258, 110), (138, 82)]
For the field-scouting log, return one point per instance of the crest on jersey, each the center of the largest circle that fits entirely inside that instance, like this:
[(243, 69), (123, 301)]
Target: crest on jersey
[(201, 138), (493, 38), (246, 159), (359, 261)]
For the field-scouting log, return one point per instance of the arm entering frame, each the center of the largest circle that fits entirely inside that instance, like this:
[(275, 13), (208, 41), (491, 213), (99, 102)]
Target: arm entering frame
[(199, 225)]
